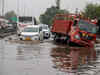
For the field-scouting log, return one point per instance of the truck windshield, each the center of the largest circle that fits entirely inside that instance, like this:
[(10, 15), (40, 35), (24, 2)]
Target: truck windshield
[(31, 29), (86, 26)]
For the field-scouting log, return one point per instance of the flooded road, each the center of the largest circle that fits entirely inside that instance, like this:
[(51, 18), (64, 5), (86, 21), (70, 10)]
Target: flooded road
[(47, 58)]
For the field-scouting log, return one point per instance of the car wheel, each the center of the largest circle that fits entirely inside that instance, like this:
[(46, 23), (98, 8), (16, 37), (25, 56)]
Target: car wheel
[(19, 34), (20, 38)]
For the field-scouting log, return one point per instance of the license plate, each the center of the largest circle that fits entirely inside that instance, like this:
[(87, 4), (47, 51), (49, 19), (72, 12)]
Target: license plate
[(28, 38), (84, 34)]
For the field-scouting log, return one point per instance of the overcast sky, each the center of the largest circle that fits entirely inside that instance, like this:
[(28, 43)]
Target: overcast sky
[(37, 7)]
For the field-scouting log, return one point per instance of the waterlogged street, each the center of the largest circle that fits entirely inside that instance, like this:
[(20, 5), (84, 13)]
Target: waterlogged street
[(49, 37), (46, 58)]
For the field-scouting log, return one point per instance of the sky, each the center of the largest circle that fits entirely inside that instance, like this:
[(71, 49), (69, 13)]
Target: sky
[(37, 7)]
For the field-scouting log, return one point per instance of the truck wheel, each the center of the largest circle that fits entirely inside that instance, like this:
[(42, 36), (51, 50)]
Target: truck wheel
[(57, 38), (20, 38), (70, 43)]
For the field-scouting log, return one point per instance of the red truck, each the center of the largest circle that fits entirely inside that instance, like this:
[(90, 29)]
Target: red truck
[(72, 29)]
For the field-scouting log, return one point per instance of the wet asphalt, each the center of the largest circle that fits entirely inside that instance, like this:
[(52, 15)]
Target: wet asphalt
[(40, 58)]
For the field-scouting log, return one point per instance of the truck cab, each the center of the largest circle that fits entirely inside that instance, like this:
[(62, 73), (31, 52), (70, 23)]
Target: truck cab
[(83, 33)]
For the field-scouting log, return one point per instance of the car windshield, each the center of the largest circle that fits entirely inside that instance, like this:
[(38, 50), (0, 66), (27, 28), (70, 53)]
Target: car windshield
[(86, 26), (31, 29)]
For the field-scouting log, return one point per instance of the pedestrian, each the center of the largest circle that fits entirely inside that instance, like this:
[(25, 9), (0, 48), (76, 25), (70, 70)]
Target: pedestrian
[(41, 36)]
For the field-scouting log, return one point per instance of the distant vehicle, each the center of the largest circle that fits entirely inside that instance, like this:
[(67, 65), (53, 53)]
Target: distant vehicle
[(11, 27), (24, 21), (3, 23), (46, 31), (31, 32)]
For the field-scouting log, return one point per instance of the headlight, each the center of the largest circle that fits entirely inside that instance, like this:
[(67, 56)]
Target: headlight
[(77, 36), (36, 38)]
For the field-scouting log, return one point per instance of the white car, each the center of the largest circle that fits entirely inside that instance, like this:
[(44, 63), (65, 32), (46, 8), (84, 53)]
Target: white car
[(32, 32), (46, 31)]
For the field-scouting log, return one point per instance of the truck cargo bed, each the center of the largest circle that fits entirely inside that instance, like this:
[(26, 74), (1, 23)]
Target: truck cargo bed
[(61, 26)]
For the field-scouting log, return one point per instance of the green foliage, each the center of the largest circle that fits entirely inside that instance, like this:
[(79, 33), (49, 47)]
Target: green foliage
[(48, 16), (92, 10), (10, 14)]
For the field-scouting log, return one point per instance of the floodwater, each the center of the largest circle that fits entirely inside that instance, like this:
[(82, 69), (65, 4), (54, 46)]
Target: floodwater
[(46, 58)]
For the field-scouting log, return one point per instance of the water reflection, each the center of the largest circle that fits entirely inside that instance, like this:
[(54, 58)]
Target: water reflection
[(27, 51), (29, 59), (72, 59)]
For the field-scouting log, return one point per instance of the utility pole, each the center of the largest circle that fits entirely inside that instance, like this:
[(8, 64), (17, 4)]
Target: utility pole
[(17, 7), (58, 4), (18, 14), (76, 11), (24, 13), (3, 4)]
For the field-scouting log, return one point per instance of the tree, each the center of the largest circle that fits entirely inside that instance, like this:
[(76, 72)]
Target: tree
[(48, 16), (10, 14), (92, 10)]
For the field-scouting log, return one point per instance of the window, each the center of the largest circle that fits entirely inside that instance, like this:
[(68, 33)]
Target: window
[(86, 26), (31, 29)]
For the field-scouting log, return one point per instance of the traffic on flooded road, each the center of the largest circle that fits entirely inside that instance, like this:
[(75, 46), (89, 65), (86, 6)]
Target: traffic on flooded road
[(54, 38)]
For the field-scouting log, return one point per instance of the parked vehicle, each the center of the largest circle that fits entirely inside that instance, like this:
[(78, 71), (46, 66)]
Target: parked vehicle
[(70, 29), (31, 32)]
